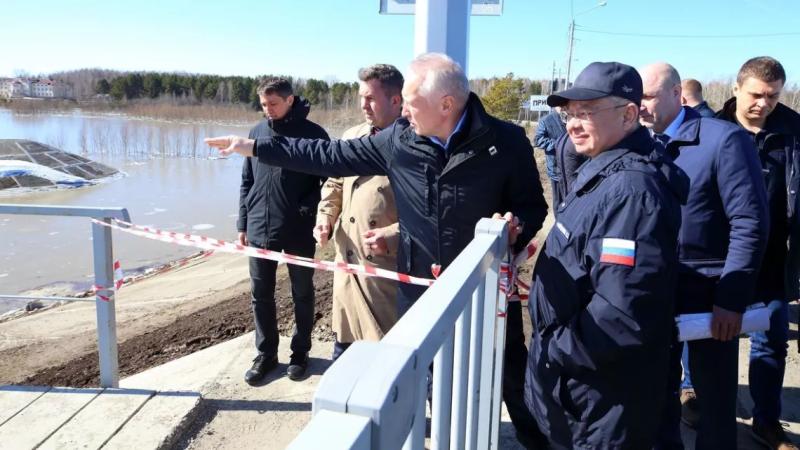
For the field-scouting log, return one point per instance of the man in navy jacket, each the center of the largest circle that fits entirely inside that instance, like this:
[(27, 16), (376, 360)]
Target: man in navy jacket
[(775, 130), (723, 235), (604, 285)]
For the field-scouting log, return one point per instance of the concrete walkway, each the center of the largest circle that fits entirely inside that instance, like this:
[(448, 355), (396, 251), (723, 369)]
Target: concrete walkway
[(201, 402)]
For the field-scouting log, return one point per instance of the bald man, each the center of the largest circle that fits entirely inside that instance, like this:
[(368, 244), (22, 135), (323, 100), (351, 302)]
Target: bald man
[(724, 226), (693, 97)]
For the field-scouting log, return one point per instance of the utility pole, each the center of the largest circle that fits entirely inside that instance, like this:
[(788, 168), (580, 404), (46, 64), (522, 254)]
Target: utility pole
[(571, 34)]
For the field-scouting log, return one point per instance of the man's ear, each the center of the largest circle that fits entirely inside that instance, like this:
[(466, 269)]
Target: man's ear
[(448, 104), (290, 99), (631, 113)]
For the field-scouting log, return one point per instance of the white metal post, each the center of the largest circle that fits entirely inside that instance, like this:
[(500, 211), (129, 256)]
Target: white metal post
[(475, 353), (416, 438), (458, 423), (442, 395), (443, 26), (106, 313), (499, 359)]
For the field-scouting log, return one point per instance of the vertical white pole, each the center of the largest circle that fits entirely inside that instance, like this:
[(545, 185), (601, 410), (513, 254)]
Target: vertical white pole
[(442, 395), (106, 315), (460, 374), (443, 26)]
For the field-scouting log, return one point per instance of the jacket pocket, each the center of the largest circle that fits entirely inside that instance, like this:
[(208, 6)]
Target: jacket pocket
[(711, 267)]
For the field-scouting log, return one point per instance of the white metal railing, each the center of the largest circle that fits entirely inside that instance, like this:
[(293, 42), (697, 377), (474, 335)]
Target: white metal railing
[(103, 276), (374, 395)]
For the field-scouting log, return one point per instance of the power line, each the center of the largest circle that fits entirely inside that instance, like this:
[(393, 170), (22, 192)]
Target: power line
[(687, 36)]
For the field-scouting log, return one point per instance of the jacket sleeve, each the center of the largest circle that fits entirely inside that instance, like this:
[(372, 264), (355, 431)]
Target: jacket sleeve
[(330, 204), (244, 190), (743, 194), (523, 194), (631, 301), (542, 138), (310, 201), (369, 155)]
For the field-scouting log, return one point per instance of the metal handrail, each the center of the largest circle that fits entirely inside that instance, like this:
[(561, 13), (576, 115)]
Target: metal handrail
[(374, 395), (103, 275)]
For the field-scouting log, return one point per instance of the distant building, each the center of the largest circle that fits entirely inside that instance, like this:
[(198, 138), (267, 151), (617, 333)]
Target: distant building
[(35, 88)]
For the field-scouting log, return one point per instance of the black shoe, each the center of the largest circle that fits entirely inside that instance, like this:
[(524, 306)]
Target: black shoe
[(297, 366), (261, 366), (773, 436)]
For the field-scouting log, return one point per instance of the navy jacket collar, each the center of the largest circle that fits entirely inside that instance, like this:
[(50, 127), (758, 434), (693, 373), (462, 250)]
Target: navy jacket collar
[(639, 142)]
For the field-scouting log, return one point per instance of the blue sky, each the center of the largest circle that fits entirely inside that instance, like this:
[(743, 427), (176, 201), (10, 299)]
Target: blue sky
[(332, 38)]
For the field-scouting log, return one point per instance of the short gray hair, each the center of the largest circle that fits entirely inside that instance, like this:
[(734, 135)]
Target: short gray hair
[(441, 74)]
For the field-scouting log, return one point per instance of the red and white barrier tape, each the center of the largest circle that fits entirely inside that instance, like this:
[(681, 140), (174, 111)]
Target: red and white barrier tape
[(508, 276), (118, 281), (203, 242)]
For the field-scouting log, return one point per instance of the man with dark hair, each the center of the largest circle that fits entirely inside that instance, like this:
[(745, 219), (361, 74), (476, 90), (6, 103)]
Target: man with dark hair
[(723, 234), (775, 129), (604, 285), (276, 212), (692, 96), (450, 163), (550, 128), (360, 212)]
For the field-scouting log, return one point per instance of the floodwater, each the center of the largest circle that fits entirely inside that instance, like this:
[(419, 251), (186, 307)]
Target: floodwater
[(171, 181)]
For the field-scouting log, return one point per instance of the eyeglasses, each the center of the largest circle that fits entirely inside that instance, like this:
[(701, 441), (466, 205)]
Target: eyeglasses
[(586, 116)]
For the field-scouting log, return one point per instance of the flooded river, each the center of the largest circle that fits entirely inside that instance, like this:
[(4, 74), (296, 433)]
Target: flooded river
[(172, 181)]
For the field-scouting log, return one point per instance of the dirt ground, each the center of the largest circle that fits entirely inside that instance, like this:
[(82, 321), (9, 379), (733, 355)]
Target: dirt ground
[(209, 326)]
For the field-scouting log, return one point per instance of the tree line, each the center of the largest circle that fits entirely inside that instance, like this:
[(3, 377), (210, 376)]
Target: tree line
[(502, 95), (217, 89)]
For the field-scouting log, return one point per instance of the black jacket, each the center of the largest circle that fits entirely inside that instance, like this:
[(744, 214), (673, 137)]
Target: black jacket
[(277, 207), (490, 168), (602, 300), (778, 147), (725, 221)]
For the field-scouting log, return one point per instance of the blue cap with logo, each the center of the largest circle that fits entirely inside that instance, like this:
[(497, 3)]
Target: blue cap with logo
[(602, 79)]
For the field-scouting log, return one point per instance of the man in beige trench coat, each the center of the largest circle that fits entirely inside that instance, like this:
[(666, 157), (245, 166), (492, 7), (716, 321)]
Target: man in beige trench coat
[(360, 213)]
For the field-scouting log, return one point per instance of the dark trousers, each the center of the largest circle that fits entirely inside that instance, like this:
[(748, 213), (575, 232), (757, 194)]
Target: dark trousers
[(768, 364), (339, 348), (262, 289), (515, 365), (715, 371)]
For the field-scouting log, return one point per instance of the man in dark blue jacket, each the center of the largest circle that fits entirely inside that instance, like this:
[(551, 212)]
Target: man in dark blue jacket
[(604, 285), (550, 128), (449, 164), (277, 211), (692, 96), (775, 130), (723, 234)]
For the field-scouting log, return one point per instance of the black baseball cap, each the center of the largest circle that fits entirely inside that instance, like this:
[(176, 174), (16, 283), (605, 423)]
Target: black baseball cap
[(602, 79)]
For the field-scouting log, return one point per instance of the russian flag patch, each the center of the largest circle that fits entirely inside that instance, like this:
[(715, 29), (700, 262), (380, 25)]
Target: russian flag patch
[(618, 251)]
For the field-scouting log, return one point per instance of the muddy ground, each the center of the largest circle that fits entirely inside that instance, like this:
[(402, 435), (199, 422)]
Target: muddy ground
[(209, 326)]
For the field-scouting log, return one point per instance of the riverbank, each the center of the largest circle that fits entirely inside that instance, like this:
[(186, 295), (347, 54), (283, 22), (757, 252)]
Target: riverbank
[(334, 120), (158, 319)]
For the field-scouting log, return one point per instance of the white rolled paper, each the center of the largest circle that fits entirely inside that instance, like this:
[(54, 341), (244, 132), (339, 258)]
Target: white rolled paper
[(692, 327)]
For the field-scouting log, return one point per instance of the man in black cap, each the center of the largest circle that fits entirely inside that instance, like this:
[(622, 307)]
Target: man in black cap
[(604, 285)]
